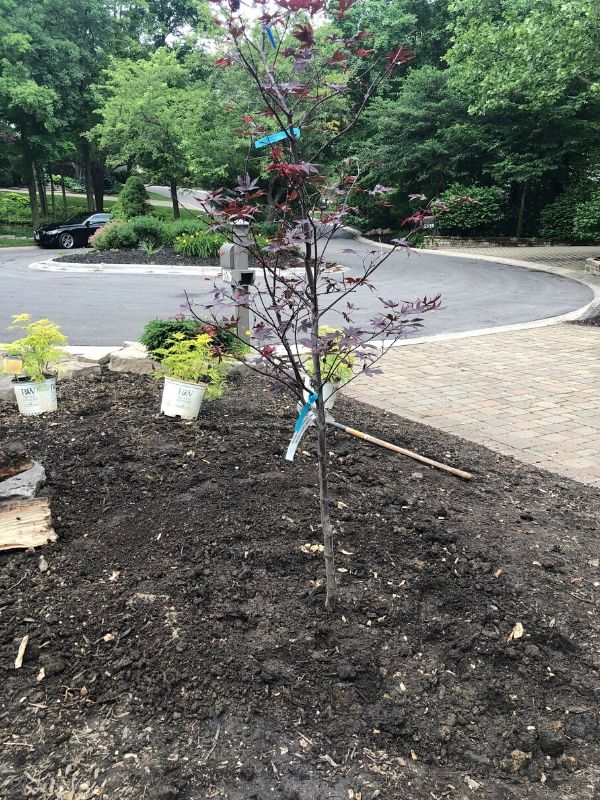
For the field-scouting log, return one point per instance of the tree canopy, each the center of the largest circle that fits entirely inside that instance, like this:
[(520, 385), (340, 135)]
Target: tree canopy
[(501, 94)]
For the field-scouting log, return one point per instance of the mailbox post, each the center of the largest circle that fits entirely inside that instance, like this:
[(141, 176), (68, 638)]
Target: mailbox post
[(236, 271)]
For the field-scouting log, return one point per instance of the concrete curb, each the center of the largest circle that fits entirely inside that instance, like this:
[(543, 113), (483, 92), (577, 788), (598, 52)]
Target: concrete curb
[(54, 265), (208, 271), (563, 272)]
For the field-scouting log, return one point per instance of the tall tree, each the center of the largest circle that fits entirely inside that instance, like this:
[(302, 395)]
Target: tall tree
[(149, 114), (51, 53), (423, 138), (166, 22), (530, 72)]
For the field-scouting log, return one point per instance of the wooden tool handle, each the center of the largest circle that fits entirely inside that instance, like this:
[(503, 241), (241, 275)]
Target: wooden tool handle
[(467, 476)]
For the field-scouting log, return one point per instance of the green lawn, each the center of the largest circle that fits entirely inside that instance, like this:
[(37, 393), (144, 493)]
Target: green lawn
[(5, 242), (156, 196), (77, 204)]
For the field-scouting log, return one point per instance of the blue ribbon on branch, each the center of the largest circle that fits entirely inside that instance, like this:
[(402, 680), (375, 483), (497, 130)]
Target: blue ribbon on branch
[(269, 33), (292, 133), (305, 411)]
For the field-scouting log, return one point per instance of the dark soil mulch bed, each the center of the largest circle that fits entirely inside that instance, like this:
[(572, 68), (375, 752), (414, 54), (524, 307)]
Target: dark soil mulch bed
[(594, 321), (181, 626), (166, 255)]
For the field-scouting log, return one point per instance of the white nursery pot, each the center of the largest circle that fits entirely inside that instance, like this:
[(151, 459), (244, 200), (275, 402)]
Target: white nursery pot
[(330, 390), (182, 399), (36, 397)]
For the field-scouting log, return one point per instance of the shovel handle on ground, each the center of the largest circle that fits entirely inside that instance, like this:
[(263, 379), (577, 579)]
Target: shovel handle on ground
[(467, 476)]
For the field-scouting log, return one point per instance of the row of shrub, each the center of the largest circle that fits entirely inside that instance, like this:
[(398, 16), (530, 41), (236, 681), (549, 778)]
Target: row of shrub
[(188, 237), (574, 216)]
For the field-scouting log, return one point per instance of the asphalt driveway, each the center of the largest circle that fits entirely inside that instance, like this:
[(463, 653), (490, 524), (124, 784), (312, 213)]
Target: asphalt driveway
[(95, 308)]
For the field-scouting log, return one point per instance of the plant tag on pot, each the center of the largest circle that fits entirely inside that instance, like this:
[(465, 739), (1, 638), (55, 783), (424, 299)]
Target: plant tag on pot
[(12, 365)]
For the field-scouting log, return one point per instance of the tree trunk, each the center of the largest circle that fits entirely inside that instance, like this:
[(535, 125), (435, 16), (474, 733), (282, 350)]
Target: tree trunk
[(64, 195), (328, 532), (30, 181), (98, 180), (53, 198), (41, 185), (174, 200), (521, 213), (89, 182), (272, 208)]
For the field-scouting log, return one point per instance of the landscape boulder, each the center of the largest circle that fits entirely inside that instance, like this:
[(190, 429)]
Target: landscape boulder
[(132, 358), (25, 485)]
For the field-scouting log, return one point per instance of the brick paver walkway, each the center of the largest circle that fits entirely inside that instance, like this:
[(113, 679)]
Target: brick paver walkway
[(533, 394)]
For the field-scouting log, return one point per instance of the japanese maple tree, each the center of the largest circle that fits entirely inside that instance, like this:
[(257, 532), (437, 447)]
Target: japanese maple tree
[(300, 73)]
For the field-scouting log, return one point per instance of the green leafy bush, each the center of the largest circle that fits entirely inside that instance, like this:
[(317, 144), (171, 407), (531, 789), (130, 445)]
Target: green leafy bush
[(194, 360), (225, 339), (557, 219), (132, 202), (39, 347), (14, 208), (149, 229), (71, 184), (266, 228), (473, 209), (24, 231), (202, 244), (158, 332), (177, 227), (586, 222), (114, 236)]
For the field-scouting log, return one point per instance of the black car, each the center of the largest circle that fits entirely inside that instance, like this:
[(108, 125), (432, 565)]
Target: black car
[(75, 232)]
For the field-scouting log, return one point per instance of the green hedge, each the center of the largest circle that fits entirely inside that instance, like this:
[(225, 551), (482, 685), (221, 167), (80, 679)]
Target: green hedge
[(557, 220), (468, 217), (187, 237), (158, 332), (14, 208), (586, 222)]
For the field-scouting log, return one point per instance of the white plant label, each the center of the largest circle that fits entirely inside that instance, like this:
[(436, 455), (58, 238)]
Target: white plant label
[(298, 434)]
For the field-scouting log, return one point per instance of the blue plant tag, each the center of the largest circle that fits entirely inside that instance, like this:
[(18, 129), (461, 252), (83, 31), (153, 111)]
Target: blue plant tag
[(293, 133), (269, 33)]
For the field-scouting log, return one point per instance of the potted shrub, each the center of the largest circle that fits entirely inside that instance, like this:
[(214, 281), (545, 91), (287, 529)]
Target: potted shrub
[(336, 365), (193, 369), (37, 354)]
